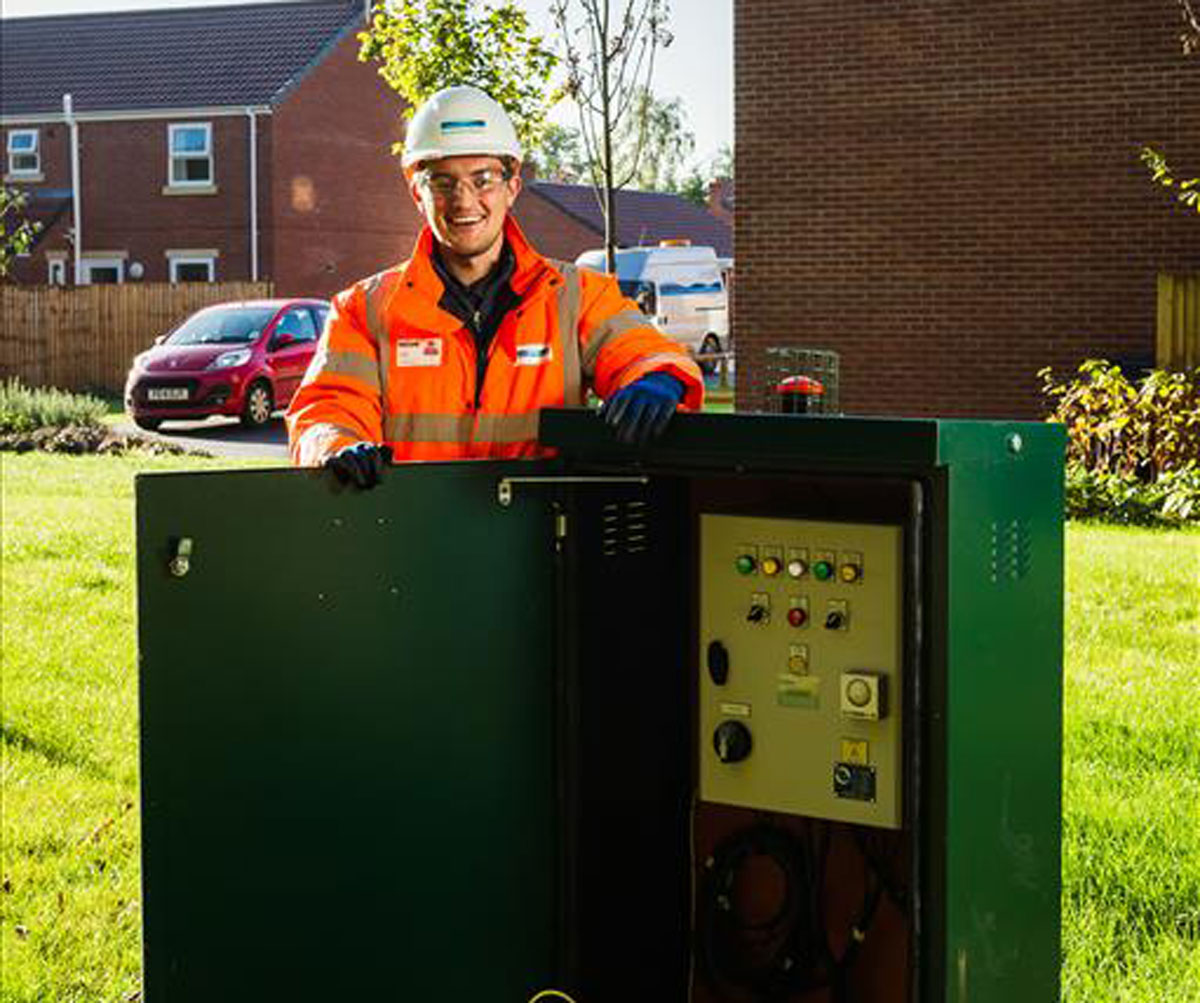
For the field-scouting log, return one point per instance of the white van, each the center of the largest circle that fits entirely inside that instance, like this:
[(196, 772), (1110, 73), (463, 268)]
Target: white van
[(681, 287)]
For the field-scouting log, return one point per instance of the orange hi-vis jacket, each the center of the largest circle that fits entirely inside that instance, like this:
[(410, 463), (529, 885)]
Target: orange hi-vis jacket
[(392, 367)]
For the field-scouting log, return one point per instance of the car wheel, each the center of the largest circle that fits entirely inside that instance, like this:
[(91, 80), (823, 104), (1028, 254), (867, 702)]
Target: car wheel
[(149, 424), (259, 405), (710, 345)]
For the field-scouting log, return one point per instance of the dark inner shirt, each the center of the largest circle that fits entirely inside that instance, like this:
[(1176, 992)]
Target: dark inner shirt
[(481, 306)]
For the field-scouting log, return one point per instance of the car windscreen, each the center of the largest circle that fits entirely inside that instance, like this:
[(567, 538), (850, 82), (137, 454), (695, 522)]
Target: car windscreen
[(222, 326)]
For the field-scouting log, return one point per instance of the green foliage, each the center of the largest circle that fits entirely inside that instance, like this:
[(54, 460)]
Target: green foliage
[(18, 232), (651, 145), (1186, 191), (25, 409), (1133, 451), (423, 46), (1105, 497), (560, 156)]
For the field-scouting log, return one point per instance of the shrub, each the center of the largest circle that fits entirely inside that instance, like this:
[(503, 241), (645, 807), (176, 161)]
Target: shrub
[(1172, 499), (26, 409), (1133, 451)]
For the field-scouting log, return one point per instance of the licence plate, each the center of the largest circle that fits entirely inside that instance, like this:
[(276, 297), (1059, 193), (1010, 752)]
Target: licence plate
[(167, 394)]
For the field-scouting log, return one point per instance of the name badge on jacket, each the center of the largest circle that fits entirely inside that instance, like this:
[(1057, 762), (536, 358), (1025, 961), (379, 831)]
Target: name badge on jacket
[(419, 352), (533, 355)]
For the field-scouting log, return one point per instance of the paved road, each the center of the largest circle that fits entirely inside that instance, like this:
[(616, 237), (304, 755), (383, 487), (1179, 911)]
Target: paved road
[(222, 437)]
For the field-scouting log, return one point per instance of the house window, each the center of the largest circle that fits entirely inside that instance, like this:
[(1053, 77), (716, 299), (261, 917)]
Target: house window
[(23, 155), (103, 271), (191, 154), (56, 272), (193, 269)]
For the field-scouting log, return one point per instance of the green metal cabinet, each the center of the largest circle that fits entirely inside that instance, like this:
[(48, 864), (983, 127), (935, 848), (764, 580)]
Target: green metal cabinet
[(435, 740)]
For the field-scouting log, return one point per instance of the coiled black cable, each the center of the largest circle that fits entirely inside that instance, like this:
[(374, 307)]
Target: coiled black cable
[(771, 958)]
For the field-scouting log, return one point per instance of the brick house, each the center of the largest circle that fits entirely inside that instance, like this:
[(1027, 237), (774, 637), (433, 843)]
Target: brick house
[(224, 143), (564, 220), (950, 196)]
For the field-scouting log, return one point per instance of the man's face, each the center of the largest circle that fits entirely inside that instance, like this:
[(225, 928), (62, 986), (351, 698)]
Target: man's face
[(465, 201)]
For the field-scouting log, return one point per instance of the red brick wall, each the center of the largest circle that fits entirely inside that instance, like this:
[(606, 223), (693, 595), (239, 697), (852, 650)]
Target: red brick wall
[(123, 169), (340, 208), (54, 146), (949, 195), (552, 231)]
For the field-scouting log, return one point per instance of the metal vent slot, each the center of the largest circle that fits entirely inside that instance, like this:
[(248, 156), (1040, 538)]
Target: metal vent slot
[(625, 528), (1011, 551)]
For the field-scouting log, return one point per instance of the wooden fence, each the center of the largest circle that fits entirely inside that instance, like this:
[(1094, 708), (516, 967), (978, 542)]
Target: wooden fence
[(85, 338), (1178, 342)]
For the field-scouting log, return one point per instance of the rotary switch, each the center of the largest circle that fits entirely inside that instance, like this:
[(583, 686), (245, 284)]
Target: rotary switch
[(732, 741)]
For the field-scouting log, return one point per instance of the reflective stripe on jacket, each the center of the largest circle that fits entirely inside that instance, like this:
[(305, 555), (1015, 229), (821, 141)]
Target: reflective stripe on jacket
[(393, 367)]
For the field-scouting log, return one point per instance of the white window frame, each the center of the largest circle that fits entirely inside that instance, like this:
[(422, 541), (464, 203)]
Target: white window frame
[(175, 260), (56, 271), (206, 154), (87, 264), (24, 172)]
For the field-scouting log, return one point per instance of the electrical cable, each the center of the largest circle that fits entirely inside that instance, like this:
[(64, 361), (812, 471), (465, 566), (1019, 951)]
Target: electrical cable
[(771, 957)]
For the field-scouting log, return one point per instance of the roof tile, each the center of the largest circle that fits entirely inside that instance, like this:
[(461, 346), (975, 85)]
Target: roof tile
[(642, 217), (175, 58)]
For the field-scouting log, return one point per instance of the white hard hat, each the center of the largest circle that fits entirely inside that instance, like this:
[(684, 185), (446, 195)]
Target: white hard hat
[(456, 122)]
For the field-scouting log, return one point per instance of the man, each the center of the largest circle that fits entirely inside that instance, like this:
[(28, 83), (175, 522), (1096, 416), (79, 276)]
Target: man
[(452, 354)]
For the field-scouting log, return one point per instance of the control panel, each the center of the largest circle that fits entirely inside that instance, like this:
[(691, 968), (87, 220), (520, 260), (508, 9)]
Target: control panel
[(800, 667)]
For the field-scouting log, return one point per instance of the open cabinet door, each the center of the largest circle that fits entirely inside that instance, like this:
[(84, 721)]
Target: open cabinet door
[(347, 737)]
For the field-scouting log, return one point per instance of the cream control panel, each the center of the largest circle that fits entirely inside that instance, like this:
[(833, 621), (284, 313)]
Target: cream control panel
[(800, 674)]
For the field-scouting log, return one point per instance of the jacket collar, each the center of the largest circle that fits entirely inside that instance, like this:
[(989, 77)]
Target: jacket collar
[(529, 266)]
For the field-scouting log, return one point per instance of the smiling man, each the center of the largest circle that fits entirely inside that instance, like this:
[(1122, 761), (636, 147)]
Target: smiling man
[(452, 354)]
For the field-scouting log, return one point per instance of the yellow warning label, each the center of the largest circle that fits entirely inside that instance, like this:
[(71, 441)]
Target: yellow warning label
[(854, 750)]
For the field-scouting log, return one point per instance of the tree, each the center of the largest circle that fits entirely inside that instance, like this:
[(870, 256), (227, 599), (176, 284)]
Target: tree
[(560, 155), (1187, 190), (424, 45), (1189, 37), (18, 231), (610, 63), (653, 143)]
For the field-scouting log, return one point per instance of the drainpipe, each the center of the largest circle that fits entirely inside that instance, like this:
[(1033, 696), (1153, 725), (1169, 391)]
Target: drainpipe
[(253, 194), (76, 195)]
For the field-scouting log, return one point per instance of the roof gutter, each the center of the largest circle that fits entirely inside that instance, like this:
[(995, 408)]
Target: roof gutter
[(76, 194), (133, 115)]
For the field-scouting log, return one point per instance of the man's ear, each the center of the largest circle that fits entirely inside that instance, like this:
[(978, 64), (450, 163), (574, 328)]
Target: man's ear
[(414, 189)]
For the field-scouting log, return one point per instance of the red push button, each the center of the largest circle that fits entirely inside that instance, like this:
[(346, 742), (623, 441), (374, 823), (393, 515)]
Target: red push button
[(797, 617)]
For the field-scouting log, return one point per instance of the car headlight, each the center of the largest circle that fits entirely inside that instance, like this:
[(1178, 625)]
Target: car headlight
[(227, 359), (139, 360)]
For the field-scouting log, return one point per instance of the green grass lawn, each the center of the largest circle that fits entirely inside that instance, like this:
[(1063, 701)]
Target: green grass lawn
[(69, 899)]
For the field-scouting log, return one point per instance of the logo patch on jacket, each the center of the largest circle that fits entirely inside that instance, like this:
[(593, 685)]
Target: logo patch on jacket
[(419, 352), (533, 355)]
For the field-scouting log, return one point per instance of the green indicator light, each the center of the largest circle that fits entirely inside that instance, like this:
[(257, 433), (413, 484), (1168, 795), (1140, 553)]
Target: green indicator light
[(746, 564), (823, 570)]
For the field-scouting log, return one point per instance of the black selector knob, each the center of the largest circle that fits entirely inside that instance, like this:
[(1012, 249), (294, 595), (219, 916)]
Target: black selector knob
[(732, 741), (718, 662), (835, 620)]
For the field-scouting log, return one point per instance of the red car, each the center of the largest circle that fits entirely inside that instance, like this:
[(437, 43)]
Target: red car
[(241, 359)]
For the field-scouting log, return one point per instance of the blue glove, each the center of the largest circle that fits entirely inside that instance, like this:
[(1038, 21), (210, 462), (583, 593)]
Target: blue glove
[(640, 411), (361, 464)]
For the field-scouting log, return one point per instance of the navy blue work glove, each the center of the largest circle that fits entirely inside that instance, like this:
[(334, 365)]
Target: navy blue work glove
[(361, 464), (640, 411)]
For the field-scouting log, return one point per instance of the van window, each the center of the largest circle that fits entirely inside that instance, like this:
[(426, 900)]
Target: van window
[(642, 293)]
